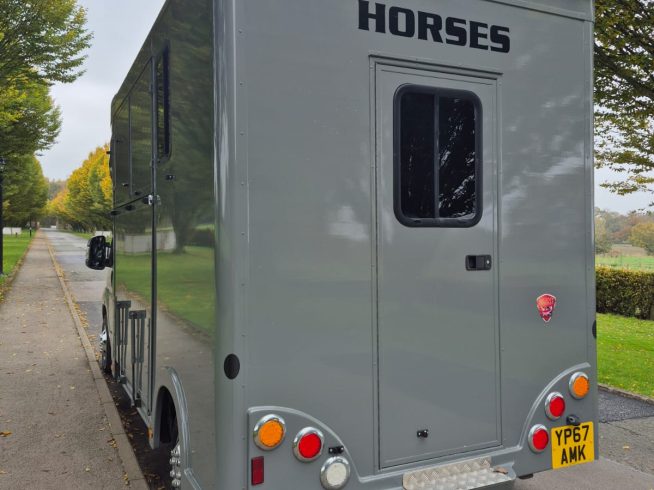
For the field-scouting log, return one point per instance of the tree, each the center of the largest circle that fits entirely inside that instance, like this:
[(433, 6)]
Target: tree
[(86, 199), (25, 191), (603, 242), (29, 120), (55, 186), (642, 235), (624, 90), (41, 40)]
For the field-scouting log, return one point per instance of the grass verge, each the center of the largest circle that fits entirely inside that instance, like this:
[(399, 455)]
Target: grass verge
[(626, 262), (14, 249), (625, 352)]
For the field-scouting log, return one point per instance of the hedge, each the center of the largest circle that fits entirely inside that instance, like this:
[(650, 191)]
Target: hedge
[(625, 292)]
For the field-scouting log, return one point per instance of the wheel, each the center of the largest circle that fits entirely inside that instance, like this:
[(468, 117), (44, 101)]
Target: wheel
[(176, 466), (170, 436), (105, 348)]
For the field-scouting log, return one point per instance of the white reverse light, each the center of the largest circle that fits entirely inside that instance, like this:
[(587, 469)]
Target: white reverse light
[(335, 473)]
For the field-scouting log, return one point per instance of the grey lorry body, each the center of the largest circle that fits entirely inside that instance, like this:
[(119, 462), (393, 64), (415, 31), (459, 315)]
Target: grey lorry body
[(268, 261)]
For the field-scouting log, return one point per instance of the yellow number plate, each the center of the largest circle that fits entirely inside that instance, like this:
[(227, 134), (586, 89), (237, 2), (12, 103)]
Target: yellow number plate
[(572, 445)]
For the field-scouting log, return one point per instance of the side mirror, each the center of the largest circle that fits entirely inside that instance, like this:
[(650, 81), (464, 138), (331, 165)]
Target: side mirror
[(98, 253)]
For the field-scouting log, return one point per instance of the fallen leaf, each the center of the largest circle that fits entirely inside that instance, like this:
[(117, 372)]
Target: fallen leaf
[(5, 433), (626, 447)]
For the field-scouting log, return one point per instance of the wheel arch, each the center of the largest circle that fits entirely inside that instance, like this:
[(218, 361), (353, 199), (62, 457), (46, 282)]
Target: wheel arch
[(170, 399)]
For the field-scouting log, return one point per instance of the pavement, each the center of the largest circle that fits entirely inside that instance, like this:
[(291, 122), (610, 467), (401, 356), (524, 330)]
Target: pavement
[(59, 431), (55, 430)]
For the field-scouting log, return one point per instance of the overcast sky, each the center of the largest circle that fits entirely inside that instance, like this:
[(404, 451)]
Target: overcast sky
[(120, 28)]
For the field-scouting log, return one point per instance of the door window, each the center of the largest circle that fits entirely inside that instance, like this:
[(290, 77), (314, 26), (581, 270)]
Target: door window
[(437, 157)]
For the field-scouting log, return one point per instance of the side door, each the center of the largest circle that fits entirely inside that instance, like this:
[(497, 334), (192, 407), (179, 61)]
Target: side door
[(436, 270), (134, 245)]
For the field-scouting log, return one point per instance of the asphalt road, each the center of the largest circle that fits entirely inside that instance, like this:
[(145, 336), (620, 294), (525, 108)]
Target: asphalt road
[(626, 425), (86, 285)]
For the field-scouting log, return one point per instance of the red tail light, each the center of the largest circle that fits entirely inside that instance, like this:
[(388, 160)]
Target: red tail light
[(307, 445), (256, 468), (555, 406), (539, 438)]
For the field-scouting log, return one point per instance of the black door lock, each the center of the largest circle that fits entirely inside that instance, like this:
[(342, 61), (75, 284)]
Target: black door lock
[(479, 262)]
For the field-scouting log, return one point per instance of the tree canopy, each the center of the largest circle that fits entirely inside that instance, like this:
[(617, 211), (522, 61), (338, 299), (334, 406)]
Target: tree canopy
[(642, 235), (25, 191), (86, 200), (624, 90), (41, 40), (29, 120)]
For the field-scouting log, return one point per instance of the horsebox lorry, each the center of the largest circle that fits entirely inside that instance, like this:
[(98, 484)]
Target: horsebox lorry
[(353, 242)]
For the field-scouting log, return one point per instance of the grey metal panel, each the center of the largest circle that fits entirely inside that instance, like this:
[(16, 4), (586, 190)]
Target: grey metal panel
[(437, 322), (543, 245), (186, 286), (185, 222), (309, 291), (231, 209), (576, 9), (304, 67)]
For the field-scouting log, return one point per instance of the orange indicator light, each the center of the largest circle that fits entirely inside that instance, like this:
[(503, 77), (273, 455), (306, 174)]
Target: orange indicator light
[(269, 432), (579, 385)]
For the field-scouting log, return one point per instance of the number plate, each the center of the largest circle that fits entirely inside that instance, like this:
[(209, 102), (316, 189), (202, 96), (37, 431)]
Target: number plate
[(572, 445)]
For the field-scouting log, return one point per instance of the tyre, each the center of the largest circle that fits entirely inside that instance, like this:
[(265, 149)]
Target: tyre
[(105, 348)]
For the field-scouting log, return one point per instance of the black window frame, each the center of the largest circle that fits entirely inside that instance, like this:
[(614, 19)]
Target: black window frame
[(397, 156), (136, 189), (164, 59), (125, 105)]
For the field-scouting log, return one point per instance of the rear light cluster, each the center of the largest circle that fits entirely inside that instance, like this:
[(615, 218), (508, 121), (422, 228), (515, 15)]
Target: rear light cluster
[(555, 406), (579, 385), (539, 438), (269, 432), (308, 445)]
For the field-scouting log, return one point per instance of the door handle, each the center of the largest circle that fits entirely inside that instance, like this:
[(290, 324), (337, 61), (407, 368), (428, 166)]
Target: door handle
[(479, 262)]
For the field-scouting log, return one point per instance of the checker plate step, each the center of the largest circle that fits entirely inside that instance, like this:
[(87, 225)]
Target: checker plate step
[(465, 475)]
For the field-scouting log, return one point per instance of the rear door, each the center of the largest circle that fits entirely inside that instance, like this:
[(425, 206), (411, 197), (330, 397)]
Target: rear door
[(436, 264)]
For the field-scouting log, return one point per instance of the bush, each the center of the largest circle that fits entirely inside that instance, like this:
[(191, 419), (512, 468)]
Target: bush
[(625, 292), (202, 238)]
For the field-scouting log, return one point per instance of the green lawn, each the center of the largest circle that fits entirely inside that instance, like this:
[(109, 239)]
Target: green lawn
[(14, 248), (625, 352), (185, 282), (644, 263)]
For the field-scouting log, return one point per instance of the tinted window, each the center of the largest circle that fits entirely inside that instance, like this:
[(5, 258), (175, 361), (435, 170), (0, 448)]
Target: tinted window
[(141, 132), (163, 108), (121, 154), (437, 161)]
